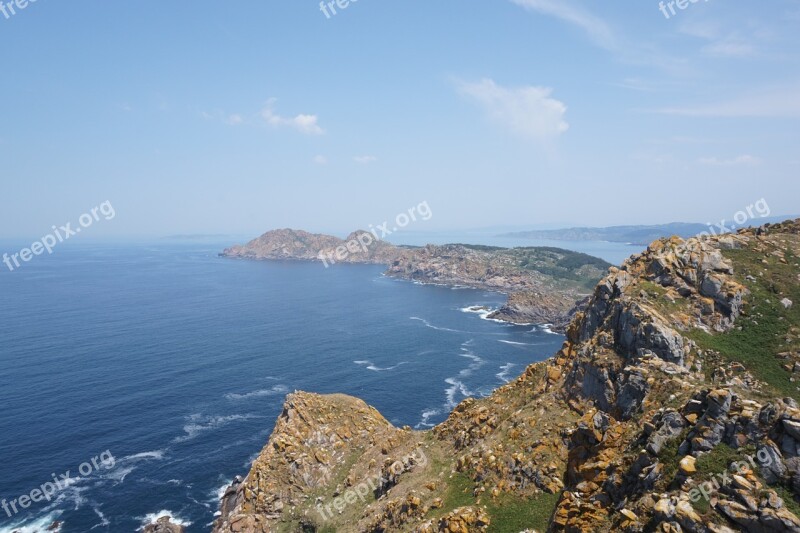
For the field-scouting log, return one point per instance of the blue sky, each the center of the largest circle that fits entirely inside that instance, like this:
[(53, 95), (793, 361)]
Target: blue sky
[(238, 117)]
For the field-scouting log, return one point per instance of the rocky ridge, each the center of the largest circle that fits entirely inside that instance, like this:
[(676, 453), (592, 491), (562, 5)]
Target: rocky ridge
[(671, 407)]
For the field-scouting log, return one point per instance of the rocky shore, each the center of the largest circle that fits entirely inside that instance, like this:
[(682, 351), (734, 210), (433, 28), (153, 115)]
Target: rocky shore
[(671, 407), (544, 285)]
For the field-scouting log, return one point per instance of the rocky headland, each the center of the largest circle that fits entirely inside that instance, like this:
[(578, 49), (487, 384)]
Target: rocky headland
[(544, 285), (671, 407)]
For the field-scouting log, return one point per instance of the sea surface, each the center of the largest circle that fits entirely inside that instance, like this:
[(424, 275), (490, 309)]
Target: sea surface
[(176, 362)]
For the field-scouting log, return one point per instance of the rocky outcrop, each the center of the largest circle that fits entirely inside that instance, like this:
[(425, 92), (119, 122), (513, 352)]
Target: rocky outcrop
[(164, 525), (540, 308), (660, 413)]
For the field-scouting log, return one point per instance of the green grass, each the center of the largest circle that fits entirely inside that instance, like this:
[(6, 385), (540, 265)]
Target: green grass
[(512, 514), (509, 513), (718, 460), (767, 322), (459, 493), (669, 456)]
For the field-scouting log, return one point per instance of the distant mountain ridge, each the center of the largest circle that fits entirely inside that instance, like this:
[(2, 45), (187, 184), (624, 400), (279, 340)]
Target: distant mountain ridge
[(633, 234)]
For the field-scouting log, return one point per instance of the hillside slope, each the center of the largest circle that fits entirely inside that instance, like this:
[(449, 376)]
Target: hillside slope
[(671, 407)]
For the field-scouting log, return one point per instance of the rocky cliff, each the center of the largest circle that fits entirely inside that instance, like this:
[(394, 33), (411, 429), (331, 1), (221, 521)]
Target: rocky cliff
[(671, 407), (545, 285)]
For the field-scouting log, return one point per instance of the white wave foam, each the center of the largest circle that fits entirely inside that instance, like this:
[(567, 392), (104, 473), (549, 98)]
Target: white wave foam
[(371, 366), (119, 474), (426, 415), (428, 324), (37, 525), (200, 423), (456, 386), (480, 310), (217, 494), (546, 328), (152, 518), (513, 343), (157, 454), (456, 383), (273, 391), (103, 520), (483, 312), (503, 375)]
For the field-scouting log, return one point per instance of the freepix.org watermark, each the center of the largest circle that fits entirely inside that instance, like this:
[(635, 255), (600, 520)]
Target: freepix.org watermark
[(364, 240), (374, 483), (668, 8), (764, 459), (329, 8), (47, 490), (59, 235), (760, 209), (9, 9)]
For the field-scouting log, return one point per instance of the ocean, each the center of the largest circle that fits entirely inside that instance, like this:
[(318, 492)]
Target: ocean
[(176, 362)]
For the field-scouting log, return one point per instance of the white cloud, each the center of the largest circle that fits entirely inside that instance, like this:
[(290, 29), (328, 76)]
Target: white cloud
[(742, 160), (321, 160), (527, 111), (306, 124), (365, 159), (234, 120), (595, 27)]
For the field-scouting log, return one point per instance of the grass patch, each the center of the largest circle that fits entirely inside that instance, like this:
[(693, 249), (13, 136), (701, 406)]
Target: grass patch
[(509, 513), (669, 456), (717, 461), (512, 514), (459, 493)]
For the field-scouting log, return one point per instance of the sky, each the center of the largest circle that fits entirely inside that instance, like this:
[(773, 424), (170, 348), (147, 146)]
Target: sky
[(239, 117)]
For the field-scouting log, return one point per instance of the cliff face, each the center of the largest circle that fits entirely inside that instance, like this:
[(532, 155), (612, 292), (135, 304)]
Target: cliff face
[(671, 407), (543, 284)]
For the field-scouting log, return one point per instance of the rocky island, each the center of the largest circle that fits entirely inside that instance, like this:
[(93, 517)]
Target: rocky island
[(544, 285), (671, 407)]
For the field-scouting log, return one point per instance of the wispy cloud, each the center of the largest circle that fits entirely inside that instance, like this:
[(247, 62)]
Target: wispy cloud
[(604, 35), (306, 124), (234, 120), (527, 111), (721, 43), (595, 27), (772, 102), (320, 160), (742, 160), (365, 159), (226, 118)]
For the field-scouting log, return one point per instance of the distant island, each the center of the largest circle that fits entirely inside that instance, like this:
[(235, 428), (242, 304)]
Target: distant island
[(637, 235), (544, 285)]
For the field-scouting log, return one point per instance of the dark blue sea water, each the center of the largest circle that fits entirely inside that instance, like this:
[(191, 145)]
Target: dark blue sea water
[(177, 362)]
